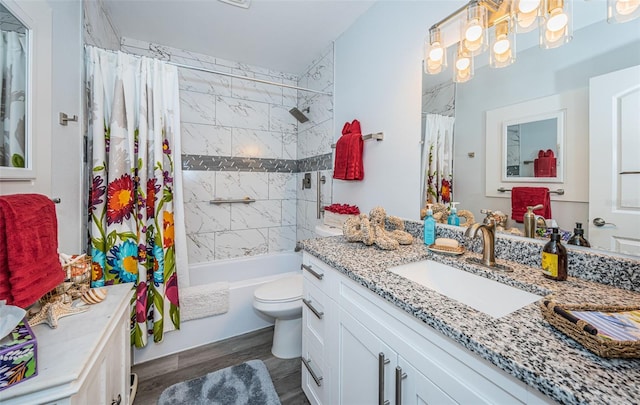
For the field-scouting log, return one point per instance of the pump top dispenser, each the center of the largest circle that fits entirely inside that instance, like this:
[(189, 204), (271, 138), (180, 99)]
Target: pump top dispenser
[(453, 218), (577, 239), (554, 258), (429, 227)]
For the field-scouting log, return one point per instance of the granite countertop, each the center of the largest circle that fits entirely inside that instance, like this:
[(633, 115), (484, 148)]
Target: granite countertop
[(522, 343)]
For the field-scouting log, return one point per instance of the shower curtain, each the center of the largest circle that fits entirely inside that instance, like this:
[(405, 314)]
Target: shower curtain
[(437, 160), (135, 190), (12, 104)]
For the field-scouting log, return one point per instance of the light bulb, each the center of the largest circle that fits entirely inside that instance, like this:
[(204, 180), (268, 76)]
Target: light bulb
[(501, 46), (626, 7), (436, 52), (463, 63), (527, 6), (557, 21), (474, 31)]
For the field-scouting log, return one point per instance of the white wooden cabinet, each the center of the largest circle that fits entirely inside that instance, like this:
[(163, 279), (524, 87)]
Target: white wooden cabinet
[(374, 353), (86, 360)]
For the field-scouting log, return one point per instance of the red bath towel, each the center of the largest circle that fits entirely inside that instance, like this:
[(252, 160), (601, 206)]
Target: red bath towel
[(522, 197), (355, 168), (28, 248), (342, 153)]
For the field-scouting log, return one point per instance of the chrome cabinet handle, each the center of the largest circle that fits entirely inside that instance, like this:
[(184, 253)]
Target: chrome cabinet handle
[(399, 377), (381, 363), (116, 401), (601, 222), (312, 271), (307, 364), (312, 308)]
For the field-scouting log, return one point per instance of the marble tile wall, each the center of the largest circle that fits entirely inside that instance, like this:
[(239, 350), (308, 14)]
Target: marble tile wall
[(98, 30), (314, 152), (238, 140)]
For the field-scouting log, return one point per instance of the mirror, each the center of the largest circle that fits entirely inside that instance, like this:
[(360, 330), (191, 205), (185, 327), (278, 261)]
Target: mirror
[(537, 75), (532, 148), (13, 70)]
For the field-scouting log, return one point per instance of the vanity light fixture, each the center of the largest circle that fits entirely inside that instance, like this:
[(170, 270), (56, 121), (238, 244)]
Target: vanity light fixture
[(463, 67), (500, 20), (619, 11), (435, 54)]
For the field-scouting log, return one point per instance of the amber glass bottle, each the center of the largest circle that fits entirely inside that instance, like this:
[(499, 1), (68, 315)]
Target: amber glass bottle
[(554, 258), (578, 236)]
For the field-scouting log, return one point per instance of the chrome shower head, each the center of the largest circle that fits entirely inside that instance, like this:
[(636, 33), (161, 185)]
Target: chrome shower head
[(299, 115)]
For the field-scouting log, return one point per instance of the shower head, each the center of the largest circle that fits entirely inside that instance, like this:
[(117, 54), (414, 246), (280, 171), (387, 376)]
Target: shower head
[(299, 115)]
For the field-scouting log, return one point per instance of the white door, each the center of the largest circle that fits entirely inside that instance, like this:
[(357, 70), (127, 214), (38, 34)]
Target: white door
[(614, 145), (416, 389)]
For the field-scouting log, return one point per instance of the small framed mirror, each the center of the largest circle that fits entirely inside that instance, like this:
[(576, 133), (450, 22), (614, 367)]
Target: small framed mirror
[(532, 148), (16, 157)]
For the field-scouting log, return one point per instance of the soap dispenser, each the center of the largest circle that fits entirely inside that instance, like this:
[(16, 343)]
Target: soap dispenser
[(578, 237), (530, 221), (554, 258), (453, 219), (429, 227)]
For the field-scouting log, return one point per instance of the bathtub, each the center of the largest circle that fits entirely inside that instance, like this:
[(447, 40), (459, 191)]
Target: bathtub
[(244, 275)]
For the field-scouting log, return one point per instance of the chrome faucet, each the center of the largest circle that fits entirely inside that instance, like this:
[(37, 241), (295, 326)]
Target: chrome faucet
[(488, 240)]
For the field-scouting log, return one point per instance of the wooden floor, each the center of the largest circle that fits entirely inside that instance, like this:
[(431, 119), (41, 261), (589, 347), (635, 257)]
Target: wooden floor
[(156, 375)]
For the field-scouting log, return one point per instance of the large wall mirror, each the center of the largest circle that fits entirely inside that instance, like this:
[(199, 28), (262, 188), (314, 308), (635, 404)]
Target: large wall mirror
[(547, 87), (25, 104)]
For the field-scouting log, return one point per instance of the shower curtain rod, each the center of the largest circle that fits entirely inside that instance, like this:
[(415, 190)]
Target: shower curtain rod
[(201, 69)]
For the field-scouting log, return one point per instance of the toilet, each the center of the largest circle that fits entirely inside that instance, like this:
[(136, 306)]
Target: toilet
[(282, 299)]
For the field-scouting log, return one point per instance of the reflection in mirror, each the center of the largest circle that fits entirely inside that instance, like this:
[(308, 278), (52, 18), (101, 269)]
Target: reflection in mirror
[(13, 67), (532, 149)]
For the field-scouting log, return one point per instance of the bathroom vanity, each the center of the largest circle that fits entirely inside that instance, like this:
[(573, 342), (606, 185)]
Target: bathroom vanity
[(86, 360), (372, 336)]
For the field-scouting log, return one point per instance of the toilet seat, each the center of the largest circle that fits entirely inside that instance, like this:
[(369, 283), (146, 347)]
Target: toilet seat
[(286, 289)]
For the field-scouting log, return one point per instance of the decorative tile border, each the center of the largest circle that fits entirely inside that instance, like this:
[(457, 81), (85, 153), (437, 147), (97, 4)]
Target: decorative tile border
[(243, 164)]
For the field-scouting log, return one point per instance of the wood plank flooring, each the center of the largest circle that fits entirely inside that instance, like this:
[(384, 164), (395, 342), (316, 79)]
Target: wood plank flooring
[(156, 375)]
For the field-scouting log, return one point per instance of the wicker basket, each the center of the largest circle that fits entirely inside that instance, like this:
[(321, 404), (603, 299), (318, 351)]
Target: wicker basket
[(77, 280), (595, 343)]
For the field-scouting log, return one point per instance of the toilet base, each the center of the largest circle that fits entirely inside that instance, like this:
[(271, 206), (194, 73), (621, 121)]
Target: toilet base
[(287, 338)]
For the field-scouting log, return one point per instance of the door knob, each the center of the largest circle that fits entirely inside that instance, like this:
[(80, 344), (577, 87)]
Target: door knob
[(601, 222)]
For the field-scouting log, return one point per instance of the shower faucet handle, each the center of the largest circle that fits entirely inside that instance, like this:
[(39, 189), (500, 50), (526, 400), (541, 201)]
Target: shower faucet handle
[(306, 181)]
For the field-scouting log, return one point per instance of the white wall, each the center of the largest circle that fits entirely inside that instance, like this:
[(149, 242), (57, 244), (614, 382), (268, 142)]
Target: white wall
[(67, 147), (378, 80)]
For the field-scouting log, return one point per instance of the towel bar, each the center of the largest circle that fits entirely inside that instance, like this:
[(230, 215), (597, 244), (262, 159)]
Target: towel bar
[(245, 200), (559, 191), (377, 136)]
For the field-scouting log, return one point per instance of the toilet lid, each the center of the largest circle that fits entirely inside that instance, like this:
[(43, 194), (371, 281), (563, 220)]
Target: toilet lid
[(281, 290)]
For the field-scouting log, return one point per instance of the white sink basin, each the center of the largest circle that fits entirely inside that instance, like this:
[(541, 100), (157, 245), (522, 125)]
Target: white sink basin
[(488, 296)]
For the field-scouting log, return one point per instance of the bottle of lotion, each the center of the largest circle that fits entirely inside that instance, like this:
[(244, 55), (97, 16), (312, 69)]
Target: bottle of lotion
[(429, 227), (453, 219), (554, 258)]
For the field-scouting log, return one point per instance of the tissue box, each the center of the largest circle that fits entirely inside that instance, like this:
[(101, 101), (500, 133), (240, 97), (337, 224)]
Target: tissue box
[(18, 353)]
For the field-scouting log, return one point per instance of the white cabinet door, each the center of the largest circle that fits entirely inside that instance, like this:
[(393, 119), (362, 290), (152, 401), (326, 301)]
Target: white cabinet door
[(416, 389), (365, 365), (614, 142)]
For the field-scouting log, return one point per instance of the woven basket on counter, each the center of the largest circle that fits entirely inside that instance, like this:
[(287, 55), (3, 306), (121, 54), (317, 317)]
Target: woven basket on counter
[(76, 282), (595, 343)]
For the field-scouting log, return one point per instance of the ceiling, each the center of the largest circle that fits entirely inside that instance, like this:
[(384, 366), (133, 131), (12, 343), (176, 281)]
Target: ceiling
[(283, 35)]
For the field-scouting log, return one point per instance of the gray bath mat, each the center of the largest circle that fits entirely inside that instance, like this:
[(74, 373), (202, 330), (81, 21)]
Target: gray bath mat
[(245, 384)]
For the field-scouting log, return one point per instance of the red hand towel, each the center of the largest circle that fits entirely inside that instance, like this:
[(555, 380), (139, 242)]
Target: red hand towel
[(31, 247), (522, 197), (342, 150), (355, 167)]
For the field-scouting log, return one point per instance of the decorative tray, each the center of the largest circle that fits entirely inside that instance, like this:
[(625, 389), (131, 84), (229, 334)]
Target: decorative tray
[(447, 250), (608, 331)]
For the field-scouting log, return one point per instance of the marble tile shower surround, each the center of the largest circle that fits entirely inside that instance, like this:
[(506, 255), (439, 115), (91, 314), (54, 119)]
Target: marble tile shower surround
[(238, 140), (98, 30), (599, 266), (440, 99)]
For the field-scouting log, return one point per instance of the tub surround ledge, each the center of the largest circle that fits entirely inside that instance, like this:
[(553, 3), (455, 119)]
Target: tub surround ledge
[(522, 343)]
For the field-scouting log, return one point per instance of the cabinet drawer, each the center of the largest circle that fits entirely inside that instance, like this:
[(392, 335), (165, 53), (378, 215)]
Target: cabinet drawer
[(315, 381), (318, 273), (315, 311)]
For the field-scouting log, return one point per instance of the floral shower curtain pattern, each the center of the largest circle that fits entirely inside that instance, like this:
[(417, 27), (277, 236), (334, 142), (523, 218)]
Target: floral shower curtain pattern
[(12, 104), (133, 132), (437, 160)]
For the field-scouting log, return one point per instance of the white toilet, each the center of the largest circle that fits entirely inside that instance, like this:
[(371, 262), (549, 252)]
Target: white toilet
[(282, 299)]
